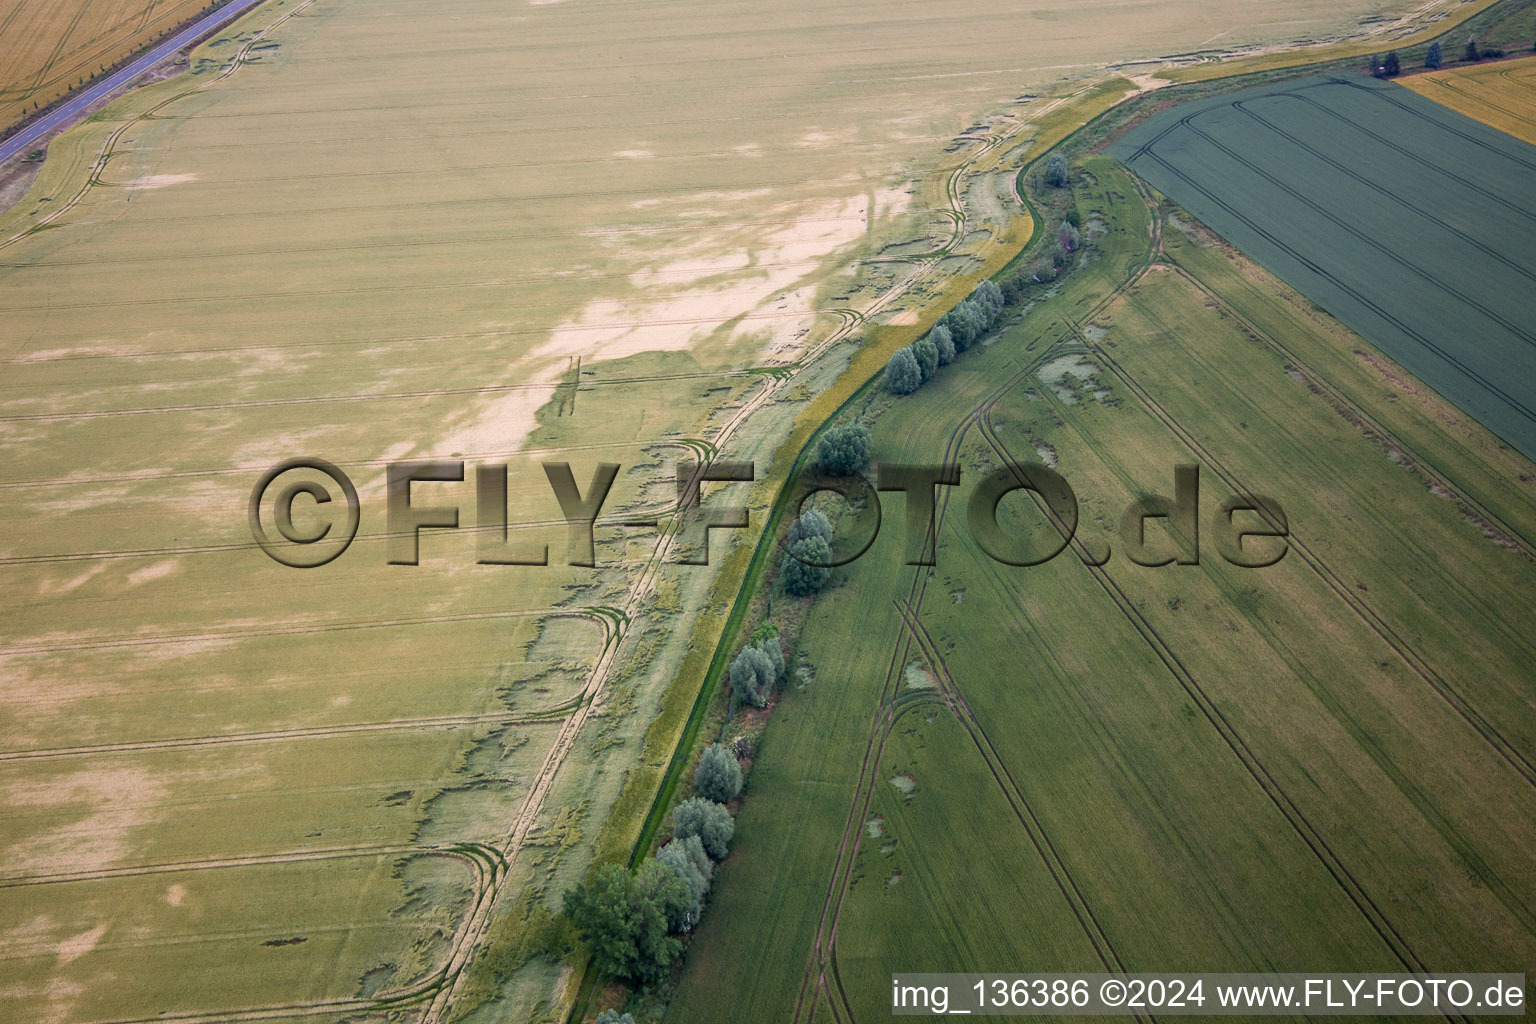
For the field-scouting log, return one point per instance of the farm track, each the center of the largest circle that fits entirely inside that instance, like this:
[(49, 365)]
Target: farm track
[(1391, 255), (1391, 196), (1164, 652), (442, 1002), (1482, 100), (1418, 158), (1435, 475), (1358, 605), (699, 449), (980, 417)]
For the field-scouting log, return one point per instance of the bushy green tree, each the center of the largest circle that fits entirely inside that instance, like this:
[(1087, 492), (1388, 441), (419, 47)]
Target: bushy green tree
[(1434, 57), (844, 449), (774, 650), (1471, 52), (688, 861), (803, 568), (927, 356), (1392, 65), (1056, 171), (706, 819), (902, 375), (625, 919), (657, 885), (943, 343), (718, 774), (810, 523), (1373, 66), (753, 676)]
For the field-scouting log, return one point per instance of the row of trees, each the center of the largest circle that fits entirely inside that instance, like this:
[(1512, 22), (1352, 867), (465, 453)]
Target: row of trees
[(912, 367), (758, 668), (1391, 65), (631, 921)]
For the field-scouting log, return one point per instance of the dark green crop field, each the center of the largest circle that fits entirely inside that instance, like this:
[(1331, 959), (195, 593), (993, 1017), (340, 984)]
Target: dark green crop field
[(1414, 225)]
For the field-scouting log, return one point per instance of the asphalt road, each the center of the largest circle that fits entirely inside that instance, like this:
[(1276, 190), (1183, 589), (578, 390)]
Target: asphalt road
[(76, 106)]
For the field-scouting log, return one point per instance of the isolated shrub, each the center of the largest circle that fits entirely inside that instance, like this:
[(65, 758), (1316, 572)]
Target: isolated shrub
[(844, 450), (803, 569), (902, 374), (625, 919), (1056, 172), (811, 523), (927, 356), (943, 343), (753, 675), (1434, 57), (707, 820), (718, 775), (1392, 66), (687, 860)]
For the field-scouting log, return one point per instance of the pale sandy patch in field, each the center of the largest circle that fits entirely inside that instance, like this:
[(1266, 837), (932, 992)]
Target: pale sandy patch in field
[(673, 316), (152, 572), (109, 803), (151, 181), (53, 587), (175, 894), (503, 423), (76, 946)]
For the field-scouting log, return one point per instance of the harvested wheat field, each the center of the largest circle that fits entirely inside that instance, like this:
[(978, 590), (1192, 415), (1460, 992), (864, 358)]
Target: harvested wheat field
[(1501, 93)]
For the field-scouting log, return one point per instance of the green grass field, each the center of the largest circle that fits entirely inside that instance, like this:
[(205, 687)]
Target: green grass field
[(1246, 769)]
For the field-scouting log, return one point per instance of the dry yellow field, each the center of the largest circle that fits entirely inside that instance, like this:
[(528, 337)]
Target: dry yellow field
[(1500, 93), (373, 230), (47, 46)]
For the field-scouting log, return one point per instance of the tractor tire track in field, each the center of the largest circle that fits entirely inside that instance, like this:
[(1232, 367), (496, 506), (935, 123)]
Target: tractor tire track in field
[(1239, 747), (1055, 864), (502, 719), (442, 1002), (1165, 654), (1373, 620), (1434, 475), (1422, 803), (699, 449), (233, 634), (439, 992), (486, 864), (823, 954), (1513, 403), (1417, 158), (1391, 196), (1484, 101), (1390, 254)]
